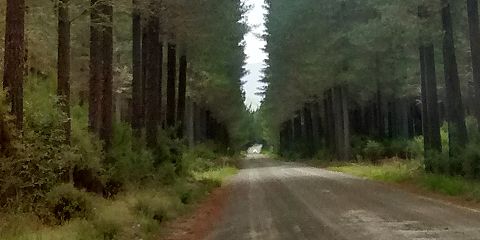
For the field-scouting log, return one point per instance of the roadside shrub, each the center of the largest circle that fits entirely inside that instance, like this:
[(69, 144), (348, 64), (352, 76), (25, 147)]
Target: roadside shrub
[(415, 148), (114, 221), (42, 159), (129, 161), (87, 146), (471, 160), (438, 161), (396, 148), (472, 129), (373, 151), (186, 191), (452, 186), (65, 202), (156, 206), (166, 173)]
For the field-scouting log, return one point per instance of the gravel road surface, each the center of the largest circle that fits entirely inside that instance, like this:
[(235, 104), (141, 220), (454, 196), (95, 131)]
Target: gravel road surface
[(273, 200)]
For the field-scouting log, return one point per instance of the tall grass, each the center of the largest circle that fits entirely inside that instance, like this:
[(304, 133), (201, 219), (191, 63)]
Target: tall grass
[(411, 171)]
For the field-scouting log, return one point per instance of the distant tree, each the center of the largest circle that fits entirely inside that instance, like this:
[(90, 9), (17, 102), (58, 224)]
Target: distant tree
[(96, 68), (182, 90), (153, 62), (474, 30), (14, 62), (63, 63), (137, 81), (107, 70), (171, 84), (455, 110)]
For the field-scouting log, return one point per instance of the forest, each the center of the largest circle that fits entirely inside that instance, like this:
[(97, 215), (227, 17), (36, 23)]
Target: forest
[(133, 107), (119, 119), (375, 79)]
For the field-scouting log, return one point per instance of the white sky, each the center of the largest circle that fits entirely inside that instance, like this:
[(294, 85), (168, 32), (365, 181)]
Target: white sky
[(254, 51)]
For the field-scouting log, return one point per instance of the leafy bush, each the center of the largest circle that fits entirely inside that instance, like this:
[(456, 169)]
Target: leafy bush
[(114, 221), (42, 158), (373, 150), (415, 148), (189, 191), (156, 205), (471, 160), (127, 163), (396, 148), (65, 202)]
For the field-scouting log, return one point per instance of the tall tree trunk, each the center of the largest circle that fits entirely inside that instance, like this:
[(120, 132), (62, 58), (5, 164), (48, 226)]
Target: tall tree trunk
[(347, 151), (137, 83), (63, 64), (392, 127), (309, 138), (432, 100), (161, 112), (107, 101), (6, 149), (316, 124), (14, 59), (182, 90), (380, 118), (297, 128), (329, 121), (455, 110), (338, 123), (402, 118), (153, 60), (197, 112), (189, 123), (474, 28), (425, 116), (288, 136), (145, 49), (96, 68), (171, 88)]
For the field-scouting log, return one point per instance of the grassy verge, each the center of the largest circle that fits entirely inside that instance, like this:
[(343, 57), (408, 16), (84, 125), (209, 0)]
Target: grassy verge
[(138, 213), (410, 172)]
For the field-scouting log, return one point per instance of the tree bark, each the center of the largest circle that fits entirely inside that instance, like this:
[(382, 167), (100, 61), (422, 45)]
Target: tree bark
[(189, 123), (338, 123), (474, 29), (145, 49), (63, 64), (137, 81), (380, 116), (309, 138), (432, 100), (6, 149), (316, 125), (182, 90), (425, 117), (455, 109), (329, 121), (171, 88), (297, 127), (96, 68), (14, 58), (153, 61), (107, 55), (347, 152)]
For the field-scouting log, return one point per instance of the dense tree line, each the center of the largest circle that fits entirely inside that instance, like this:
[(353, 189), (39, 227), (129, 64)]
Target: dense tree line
[(136, 81), (371, 69), (163, 34)]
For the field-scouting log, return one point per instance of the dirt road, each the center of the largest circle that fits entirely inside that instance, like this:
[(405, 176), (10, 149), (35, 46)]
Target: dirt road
[(273, 200)]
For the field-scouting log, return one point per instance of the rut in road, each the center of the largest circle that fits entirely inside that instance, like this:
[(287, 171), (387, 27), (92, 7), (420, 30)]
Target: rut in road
[(273, 200)]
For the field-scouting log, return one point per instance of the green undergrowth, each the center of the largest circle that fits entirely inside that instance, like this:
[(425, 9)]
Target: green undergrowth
[(137, 213), (126, 194), (411, 172)]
